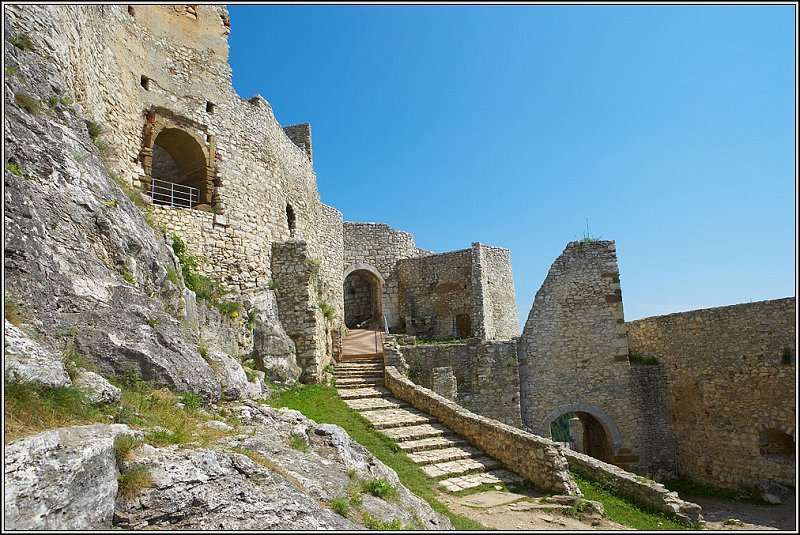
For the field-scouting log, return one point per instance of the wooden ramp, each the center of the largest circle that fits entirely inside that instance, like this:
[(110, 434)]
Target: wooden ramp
[(362, 343)]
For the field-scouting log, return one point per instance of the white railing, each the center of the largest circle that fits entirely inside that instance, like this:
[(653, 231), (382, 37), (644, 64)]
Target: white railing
[(171, 194)]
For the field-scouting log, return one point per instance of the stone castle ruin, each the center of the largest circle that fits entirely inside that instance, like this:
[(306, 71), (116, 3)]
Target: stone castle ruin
[(706, 395)]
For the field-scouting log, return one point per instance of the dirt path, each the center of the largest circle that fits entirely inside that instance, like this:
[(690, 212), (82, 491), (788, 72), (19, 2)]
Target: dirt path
[(516, 511), (753, 517), (511, 511)]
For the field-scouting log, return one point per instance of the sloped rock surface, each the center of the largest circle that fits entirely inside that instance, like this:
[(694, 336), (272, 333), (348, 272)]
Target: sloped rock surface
[(62, 479), (220, 490), (332, 463), (25, 359), (78, 253)]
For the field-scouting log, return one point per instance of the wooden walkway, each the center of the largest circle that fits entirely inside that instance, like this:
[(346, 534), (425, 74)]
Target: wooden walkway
[(362, 343)]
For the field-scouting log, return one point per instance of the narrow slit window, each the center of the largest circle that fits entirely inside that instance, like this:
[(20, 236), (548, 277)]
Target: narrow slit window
[(291, 219), (210, 106)]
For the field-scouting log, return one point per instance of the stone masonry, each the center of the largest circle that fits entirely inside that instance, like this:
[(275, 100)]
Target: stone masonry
[(730, 377), (574, 357)]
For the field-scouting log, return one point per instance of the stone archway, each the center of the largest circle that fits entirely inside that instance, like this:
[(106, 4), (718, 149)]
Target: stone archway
[(178, 155), (363, 290), (180, 160), (596, 434)]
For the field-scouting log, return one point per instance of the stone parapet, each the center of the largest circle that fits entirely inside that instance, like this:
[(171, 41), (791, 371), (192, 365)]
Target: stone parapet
[(637, 488), (535, 458)]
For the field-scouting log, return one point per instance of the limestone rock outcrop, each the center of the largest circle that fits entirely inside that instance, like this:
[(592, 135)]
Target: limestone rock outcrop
[(98, 389), (62, 479), (79, 255), (26, 360)]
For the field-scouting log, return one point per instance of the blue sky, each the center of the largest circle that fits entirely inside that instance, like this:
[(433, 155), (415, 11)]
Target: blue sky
[(670, 128)]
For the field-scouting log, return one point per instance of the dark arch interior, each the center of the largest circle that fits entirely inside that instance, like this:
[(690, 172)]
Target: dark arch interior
[(179, 159), (362, 300), (775, 442), (587, 436)]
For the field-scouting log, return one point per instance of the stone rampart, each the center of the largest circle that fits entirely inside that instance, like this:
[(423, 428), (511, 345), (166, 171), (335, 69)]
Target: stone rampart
[(535, 458), (731, 377)]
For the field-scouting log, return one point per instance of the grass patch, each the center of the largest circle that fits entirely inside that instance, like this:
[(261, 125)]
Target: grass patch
[(14, 168), (690, 488), (32, 407), (298, 443), (623, 511), (322, 404), (28, 103), (124, 446), (134, 481)]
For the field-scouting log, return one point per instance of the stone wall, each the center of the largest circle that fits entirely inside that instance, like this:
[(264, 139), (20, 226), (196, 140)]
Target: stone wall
[(143, 70), (298, 299), (494, 313), (637, 488), (487, 376), (574, 357), (436, 299), (332, 265), (378, 247), (730, 374), (535, 458)]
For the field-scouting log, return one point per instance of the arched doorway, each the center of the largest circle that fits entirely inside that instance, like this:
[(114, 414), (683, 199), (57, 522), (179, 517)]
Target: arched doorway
[(362, 299), (179, 170), (588, 430)]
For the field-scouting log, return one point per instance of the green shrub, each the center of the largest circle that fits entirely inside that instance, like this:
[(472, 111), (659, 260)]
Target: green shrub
[(93, 128), (191, 400), (373, 523), (28, 103), (204, 287), (341, 506), (127, 275), (231, 309), (14, 168), (273, 284), (327, 310), (23, 42), (379, 488), (172, 276)]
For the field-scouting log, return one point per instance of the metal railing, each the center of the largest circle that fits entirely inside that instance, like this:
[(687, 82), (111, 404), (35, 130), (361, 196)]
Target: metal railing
[(172, 194)]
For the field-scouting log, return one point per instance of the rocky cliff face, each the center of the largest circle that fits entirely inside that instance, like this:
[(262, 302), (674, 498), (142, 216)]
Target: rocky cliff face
[(88, 279)]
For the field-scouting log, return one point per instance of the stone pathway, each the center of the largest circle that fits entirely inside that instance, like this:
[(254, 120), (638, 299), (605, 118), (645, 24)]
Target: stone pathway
[(440, 453)]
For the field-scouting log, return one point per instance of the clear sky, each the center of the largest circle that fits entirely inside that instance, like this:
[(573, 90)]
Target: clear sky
[(670, 128)]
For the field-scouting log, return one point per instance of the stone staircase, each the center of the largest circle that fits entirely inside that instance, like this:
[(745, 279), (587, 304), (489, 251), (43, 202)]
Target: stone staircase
[(440, 453)]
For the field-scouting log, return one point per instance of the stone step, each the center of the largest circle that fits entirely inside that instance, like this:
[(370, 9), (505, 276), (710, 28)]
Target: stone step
[(444, 454), (416, 432), (357, 367), (354, 374), (363, 393), (432, 443), (371, 404), (494, 477), (358, 383), (388, 418), (461, 467), (356, 361)]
